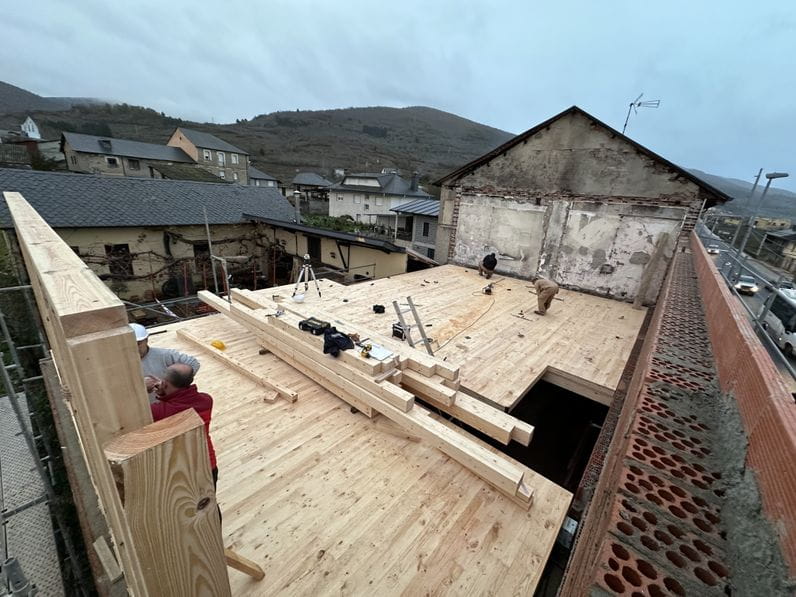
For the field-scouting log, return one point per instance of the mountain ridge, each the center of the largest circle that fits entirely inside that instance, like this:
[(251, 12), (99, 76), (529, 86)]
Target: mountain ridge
[(422, 138)]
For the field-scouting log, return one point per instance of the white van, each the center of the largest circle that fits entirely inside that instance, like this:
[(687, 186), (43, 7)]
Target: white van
[(780, 321)]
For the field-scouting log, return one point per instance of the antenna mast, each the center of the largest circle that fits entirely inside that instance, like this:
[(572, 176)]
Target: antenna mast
[(636, 104)]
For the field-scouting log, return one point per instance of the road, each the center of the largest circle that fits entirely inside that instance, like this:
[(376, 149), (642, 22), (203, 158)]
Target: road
[(726, 263)]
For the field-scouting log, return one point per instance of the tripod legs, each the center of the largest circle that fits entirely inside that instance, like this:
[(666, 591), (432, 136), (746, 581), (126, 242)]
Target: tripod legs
[(305, 273)]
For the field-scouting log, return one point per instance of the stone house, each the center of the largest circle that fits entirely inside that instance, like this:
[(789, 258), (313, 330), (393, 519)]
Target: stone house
[(146, 238), (421, 216), (30, 129), (258, 178), (117, 157), (577, 201), (779, 249), (213, 154), (371, 198)]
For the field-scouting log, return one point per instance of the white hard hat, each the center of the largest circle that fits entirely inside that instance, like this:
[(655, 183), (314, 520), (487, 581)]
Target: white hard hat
[(140, 332)]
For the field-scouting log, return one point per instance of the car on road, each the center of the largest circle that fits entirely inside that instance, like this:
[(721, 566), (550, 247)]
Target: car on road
[(783, 285), (780, 320), (746, 285), (714, 249)]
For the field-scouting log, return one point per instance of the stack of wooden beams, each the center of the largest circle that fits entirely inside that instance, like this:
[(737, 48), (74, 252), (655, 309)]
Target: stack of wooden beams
[(388, 387)]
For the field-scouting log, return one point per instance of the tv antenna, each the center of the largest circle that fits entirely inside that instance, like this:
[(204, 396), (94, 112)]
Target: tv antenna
[(636, 104)]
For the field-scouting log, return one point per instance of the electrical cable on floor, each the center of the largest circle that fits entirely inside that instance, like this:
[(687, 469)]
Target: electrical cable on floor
[(444, 344)]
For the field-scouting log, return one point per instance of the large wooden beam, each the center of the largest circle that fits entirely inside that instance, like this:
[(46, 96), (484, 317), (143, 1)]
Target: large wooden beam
[(414, 358), (97, 360), (163, 474), (283, 391), (497, 470), (68, 299)]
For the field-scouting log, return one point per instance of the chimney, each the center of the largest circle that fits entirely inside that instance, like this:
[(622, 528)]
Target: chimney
[(297, 205), (415, 180)]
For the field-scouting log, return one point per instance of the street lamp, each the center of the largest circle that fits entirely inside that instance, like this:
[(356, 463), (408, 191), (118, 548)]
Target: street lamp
[(770, 176)]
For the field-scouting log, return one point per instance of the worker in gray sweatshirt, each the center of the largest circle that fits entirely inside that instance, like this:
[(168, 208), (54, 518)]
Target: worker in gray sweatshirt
[(155, 360)]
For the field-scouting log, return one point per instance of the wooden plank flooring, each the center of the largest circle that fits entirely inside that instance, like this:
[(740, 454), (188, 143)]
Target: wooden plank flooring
[(584, 340), (328, 502)]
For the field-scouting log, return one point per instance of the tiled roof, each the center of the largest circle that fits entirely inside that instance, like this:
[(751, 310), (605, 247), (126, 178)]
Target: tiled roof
[(259, 174), (208, 141), (126, 148), (310, 178), (345, 237), (88, 201), (420, 207), (389, 184), (186, 172)]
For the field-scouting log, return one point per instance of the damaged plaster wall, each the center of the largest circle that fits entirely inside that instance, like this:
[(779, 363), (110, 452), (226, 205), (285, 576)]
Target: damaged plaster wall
[(574, 202), (493, 224)]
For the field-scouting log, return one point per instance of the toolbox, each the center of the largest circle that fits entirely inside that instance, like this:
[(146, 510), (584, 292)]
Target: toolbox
[(314, 326)]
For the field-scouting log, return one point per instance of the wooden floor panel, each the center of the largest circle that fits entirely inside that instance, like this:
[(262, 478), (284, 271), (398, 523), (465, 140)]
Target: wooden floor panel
[(328, 502), (501, 356)]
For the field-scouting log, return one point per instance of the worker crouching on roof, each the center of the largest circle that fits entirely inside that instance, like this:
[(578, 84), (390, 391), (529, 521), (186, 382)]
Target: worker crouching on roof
[(545, 291), (155, 360), (487, 266)]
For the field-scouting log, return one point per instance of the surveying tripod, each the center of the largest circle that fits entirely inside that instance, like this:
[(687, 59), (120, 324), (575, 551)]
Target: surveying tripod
[(305, 273)]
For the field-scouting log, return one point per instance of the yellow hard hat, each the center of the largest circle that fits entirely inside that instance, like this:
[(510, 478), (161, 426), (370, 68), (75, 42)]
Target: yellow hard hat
[(218, 344)]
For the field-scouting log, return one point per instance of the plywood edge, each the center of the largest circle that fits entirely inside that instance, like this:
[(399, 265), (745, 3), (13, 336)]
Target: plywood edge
[(578, 385)]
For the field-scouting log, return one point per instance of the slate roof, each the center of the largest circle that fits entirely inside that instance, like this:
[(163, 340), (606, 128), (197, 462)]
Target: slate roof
[(419, 207), (345, 237), (68, 200), (125, 147), (470, 167), (389, 184), (783, 234), (208, 141), (259, 174), (186, 172), (311, 178)]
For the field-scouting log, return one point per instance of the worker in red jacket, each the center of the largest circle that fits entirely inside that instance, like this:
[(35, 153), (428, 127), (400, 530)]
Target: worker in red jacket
[(176, 392)]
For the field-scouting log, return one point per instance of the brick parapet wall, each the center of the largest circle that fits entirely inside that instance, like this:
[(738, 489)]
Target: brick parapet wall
[(767, 408)]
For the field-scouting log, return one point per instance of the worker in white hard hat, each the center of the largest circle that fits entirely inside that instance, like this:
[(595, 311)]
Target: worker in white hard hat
[(155, 360)]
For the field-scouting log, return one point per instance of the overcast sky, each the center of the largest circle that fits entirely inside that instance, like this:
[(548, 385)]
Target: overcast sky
[(723, 69)]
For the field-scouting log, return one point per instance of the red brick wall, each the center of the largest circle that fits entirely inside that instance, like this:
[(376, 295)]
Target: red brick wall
[(767, 409)]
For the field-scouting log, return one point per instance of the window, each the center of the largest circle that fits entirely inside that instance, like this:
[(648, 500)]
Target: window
[(120, 261), (134, 164), (379, 201), (234, 176), (112, 162), (234, 157), (74, 160), (222, 158), (357, 198), (367, 207), (257, 183), (208, 155), (222, 174), (201, 254), (426, 227), (359, 217), (339, 197), (270, 183), (430, 253)]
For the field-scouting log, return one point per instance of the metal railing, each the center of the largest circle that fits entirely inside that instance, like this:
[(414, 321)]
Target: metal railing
[(731, 267)]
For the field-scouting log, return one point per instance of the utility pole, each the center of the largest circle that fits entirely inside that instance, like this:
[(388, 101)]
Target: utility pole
[(770, 176), (751, 195)]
